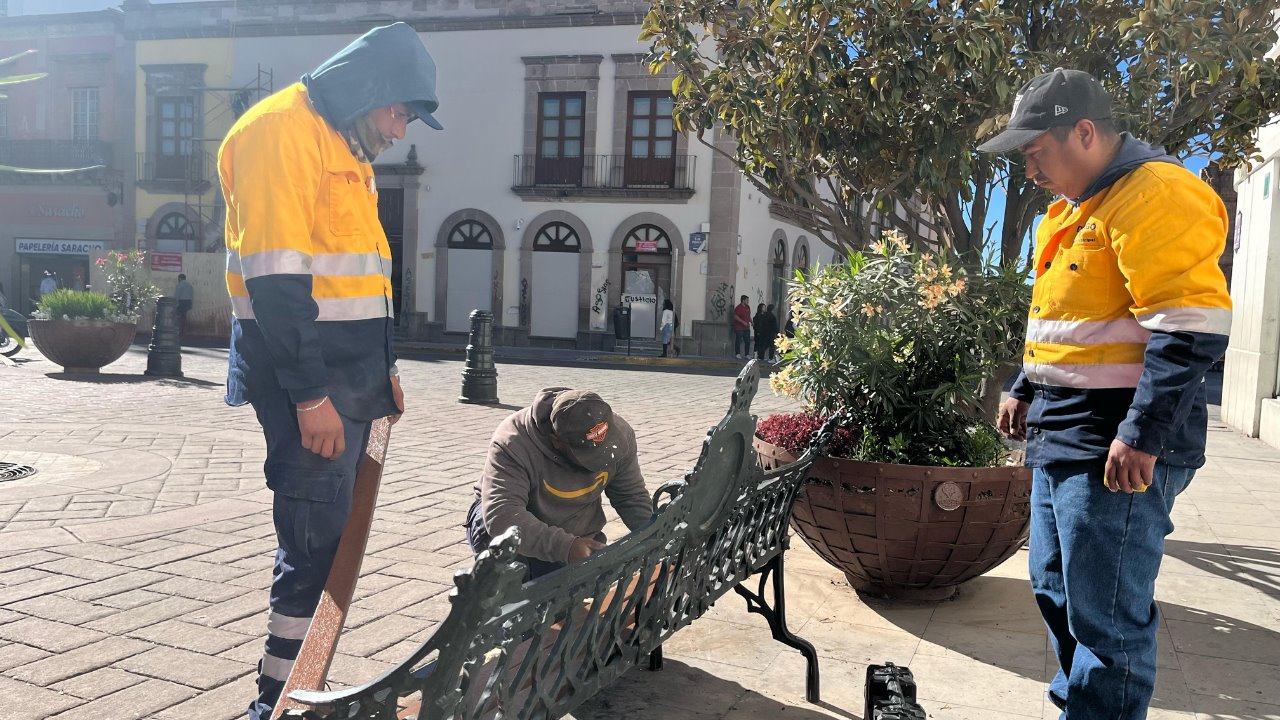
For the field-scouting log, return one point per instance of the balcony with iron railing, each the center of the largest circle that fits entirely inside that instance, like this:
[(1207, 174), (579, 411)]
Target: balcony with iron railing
[(55, 154), (175, 173), (605, 177)]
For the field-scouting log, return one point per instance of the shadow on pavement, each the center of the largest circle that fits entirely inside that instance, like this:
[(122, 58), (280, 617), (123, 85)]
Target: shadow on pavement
[(683, 691), (1255, 566), (131, 379), (1203, 640)]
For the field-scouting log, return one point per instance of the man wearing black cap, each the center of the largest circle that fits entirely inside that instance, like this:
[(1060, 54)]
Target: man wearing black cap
[(547, 468), (1128, 311), (309, 275)]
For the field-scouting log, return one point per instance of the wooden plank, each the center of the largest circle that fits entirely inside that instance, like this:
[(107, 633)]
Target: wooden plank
[(311, 670)]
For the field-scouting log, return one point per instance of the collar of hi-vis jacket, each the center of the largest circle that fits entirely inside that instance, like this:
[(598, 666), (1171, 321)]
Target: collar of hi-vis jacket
[(1133, 153)]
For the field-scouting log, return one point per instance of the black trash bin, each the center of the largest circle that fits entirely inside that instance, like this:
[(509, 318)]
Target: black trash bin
[(622, 323)]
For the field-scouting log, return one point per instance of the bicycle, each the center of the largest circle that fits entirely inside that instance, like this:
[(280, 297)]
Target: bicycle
[(13, 337)]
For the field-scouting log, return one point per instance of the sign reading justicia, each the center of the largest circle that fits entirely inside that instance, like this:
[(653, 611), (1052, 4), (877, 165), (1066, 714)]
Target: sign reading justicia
[(59, 247)]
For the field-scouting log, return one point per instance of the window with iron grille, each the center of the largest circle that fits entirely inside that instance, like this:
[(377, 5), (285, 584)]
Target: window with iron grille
[(84, 114)]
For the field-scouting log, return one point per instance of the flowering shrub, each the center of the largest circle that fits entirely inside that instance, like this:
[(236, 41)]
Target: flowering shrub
[(131, 289), (794, 431), (900, 342)]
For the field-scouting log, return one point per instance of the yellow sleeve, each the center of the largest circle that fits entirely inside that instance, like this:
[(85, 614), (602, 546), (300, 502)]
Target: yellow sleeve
[(1168, 236)]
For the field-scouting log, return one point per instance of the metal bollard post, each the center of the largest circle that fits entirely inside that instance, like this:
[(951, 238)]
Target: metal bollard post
[(480, 376), (164, 356)]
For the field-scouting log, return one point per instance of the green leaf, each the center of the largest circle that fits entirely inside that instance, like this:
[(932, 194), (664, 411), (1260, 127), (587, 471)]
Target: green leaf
[(18, 79)]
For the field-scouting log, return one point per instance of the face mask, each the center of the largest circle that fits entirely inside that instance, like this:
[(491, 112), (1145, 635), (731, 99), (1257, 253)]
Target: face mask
[(370, 138)]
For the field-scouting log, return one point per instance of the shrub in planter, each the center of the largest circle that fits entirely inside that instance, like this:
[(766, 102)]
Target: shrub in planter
[(916, 495), (64, 304), (81, 330)]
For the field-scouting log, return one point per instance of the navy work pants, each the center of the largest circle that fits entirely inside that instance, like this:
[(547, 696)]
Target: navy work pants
[(312, 501)]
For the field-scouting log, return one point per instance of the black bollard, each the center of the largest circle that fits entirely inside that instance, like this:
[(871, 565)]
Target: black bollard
[(164, 356), (480, 376)]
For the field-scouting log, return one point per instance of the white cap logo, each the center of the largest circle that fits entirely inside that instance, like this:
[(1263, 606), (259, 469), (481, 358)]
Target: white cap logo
[(1016, 102), (1059, 110)]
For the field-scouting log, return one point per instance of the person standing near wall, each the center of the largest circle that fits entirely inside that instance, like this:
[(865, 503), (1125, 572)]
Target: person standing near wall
[(186, 295)]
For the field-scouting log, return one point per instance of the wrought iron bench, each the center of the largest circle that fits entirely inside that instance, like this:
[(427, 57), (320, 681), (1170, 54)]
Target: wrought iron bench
[(539, 649)]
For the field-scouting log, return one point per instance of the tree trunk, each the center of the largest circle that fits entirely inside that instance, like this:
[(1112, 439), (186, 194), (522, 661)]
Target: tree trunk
[(993, 389)]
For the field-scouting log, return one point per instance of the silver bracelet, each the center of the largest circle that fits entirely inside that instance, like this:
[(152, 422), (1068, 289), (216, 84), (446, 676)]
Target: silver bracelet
[(323, 400)]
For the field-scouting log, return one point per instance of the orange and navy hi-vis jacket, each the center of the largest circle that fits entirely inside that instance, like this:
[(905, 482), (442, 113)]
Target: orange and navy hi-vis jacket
[(308, 264), (1128, 311)]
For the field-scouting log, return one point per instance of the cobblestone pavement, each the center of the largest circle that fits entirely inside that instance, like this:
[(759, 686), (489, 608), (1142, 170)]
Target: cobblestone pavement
[(134, 564)]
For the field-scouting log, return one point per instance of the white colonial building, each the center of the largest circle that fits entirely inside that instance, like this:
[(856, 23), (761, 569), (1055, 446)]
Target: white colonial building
[(559, 187), (1251, 380)]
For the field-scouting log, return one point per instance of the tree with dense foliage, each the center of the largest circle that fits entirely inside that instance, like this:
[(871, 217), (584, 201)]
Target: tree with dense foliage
[(842, 106)]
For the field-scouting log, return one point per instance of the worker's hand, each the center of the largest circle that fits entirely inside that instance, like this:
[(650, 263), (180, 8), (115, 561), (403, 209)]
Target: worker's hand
[(1012, 420), (398, 394), (321, 429), (1128, 469), (582, 548)]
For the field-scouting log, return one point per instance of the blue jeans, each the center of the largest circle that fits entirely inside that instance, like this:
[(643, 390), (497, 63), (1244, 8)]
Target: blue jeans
[(1094, 558), (310, 508), (742, 342)]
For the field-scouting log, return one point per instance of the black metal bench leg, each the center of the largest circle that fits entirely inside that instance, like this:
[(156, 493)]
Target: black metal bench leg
[(655, 659), (776, 616)]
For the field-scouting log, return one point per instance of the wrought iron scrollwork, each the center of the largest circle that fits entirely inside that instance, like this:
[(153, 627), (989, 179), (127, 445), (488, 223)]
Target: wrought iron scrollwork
[(539, 649)]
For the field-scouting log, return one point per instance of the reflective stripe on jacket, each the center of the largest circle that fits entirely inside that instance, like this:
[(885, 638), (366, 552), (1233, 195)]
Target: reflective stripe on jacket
[(1128, 311)]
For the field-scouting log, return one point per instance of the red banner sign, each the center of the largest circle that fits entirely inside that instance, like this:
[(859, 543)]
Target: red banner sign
[(166, 262)]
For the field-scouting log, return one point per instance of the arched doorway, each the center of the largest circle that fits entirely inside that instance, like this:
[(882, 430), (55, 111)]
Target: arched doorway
[(175, 233), (554, 312), (801, 262), (469, 287), (647, 271), (779, 272)]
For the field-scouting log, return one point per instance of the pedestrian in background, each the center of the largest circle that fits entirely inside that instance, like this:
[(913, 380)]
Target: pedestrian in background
[(186, 295), (668, 327), (742, 329), (760, 326)]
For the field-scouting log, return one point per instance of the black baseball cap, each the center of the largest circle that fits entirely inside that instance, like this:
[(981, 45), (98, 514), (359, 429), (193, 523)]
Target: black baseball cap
[(1054, 99), (584, 423)]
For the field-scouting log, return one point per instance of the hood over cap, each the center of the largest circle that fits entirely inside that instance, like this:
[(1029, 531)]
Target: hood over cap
[(386, 65)]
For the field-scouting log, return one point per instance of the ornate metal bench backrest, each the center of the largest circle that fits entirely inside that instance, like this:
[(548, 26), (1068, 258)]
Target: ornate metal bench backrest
[(538, 649)]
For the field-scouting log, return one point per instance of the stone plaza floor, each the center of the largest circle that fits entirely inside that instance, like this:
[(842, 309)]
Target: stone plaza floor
[(134, 565)]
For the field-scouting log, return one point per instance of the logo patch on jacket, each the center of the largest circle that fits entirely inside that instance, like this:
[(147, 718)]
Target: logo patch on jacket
[(1087, 233), (601, 479), (598, 433)]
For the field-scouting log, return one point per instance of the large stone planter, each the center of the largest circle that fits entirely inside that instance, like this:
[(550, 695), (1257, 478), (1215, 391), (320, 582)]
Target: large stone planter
[(909, 532), (82, 346)]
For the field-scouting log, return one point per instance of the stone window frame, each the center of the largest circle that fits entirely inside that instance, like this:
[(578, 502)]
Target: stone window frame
[(173, 80), (631, 73), (561, 74)]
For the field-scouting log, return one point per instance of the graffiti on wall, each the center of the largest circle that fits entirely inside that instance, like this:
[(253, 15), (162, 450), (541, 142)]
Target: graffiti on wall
[(720, 301), (524, 302), (602, 298)]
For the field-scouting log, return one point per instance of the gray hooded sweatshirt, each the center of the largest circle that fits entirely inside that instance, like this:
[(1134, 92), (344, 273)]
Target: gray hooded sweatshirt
[(528, 484)]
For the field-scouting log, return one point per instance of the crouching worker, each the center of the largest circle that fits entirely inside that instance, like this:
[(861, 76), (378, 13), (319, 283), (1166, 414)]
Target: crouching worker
[(547, 468)]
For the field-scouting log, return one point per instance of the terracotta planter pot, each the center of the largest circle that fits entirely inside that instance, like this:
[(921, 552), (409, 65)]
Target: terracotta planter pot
[(907, 531), (82, 346)]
